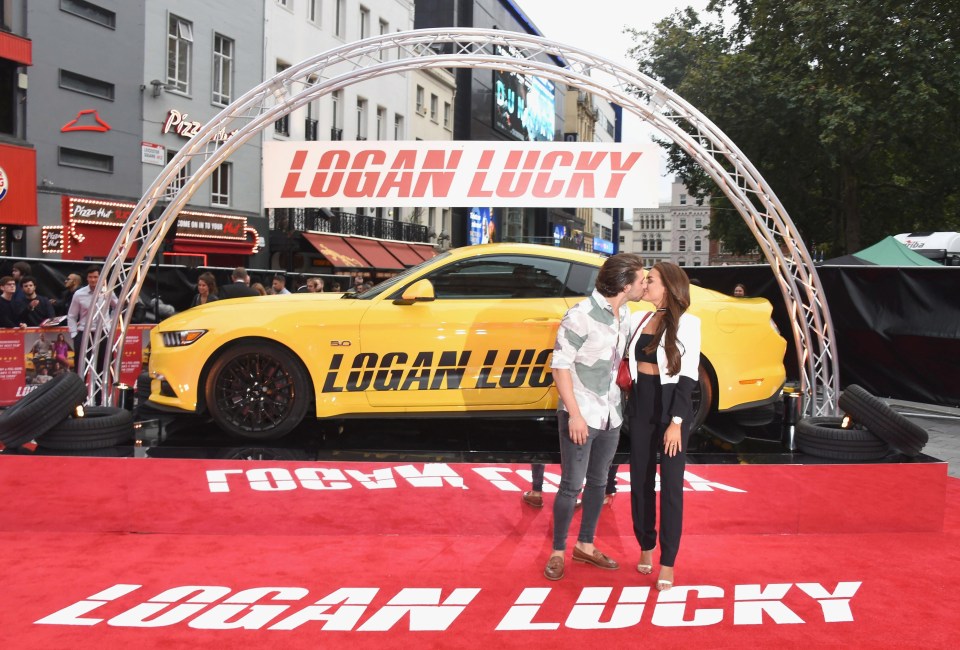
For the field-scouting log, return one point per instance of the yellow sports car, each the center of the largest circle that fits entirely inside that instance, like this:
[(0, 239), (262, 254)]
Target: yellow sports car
[(468, 333)]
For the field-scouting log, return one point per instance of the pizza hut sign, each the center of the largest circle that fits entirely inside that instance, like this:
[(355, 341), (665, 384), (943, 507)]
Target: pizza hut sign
[(180, 124)]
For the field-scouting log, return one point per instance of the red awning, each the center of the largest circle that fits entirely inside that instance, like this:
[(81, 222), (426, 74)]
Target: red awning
[(402, 252), (337, 251), (425, 251), (374, 253), (16, 48), (196, 245)]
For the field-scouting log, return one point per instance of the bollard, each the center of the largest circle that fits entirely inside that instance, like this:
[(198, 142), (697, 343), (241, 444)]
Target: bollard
[(791, 413), (124, 397)]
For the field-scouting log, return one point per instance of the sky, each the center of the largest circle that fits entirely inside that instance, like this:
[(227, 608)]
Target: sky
[(602, 33)]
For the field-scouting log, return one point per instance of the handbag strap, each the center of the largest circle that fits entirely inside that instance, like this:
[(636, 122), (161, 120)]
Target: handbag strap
[(626, 353)]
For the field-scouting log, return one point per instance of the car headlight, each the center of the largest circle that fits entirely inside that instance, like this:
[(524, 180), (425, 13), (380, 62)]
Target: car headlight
[(181, 338)]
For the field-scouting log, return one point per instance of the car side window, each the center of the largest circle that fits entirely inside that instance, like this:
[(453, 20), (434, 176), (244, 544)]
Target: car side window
[(501, 276), (582, 280)]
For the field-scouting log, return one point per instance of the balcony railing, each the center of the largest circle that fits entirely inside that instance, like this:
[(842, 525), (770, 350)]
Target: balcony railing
[(310, 130), (336, 134), (346, 223)]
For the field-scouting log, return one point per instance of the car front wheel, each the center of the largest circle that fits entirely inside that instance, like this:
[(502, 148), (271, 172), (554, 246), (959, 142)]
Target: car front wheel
[(258, 390)]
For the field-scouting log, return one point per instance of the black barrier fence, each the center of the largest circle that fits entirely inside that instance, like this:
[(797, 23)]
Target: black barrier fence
[(897, 329)]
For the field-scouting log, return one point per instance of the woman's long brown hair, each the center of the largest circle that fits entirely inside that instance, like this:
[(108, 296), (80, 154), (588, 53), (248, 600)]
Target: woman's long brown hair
[(676, 300)]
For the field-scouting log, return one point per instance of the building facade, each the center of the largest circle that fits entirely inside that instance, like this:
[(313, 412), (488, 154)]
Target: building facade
[(487, 108), (113, 97), (677, 231)]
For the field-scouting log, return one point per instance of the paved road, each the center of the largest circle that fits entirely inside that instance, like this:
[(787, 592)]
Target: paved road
[(943, 425)]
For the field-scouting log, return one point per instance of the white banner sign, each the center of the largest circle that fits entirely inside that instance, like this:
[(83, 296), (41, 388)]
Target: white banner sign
[(444, 174)]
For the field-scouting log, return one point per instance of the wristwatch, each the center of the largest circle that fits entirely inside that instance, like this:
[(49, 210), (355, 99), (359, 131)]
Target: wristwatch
[(676, 419)]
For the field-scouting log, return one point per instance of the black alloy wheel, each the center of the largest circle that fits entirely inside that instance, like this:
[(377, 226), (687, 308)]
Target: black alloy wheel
[(258, 390)]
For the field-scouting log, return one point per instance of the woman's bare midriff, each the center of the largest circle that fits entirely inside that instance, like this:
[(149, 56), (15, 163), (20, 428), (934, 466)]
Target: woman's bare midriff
[(647, 368)]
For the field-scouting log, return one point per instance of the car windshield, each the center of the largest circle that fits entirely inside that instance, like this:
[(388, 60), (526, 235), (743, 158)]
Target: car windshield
[(389, 283)]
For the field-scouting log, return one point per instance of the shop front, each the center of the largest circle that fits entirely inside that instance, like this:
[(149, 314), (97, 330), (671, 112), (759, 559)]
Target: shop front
[(18, 197), (89, 228)]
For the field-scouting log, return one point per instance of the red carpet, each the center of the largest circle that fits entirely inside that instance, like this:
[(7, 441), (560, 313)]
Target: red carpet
[(163, 554)]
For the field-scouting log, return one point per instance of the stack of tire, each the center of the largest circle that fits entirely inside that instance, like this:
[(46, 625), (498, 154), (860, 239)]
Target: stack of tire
[(49, 414), (872, 430)]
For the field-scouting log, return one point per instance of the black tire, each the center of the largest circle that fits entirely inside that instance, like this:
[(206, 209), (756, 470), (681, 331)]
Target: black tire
[(41, 409), (702, 397), (99, 452), (900, 433), (100, 426), (824, 437), (263, 453), (258, 390)]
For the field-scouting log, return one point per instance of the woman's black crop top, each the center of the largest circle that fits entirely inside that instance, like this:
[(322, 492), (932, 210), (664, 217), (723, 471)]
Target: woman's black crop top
[(639, 354)]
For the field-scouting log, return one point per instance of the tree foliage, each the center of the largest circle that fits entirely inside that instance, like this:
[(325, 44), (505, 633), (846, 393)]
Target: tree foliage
[(849, 110)]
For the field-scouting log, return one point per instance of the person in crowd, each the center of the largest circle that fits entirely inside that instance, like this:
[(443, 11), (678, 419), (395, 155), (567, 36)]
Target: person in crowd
[(206, 289), (534, 496), (335, 287), (39, 308), (62, 304), (279, 285), (586, 357), (80, 307), (366, 286), (315, 285), (11, 309), (21, 269), (740, 291), (667, 354), (239, 285), (358, 283), (61, 350), (259, 288)]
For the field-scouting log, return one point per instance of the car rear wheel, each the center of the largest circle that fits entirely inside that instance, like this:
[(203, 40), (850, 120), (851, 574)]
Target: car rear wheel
[(258, 390), (702, 398)]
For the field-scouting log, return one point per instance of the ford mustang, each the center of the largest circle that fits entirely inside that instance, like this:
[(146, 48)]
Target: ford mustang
[(467, 333)]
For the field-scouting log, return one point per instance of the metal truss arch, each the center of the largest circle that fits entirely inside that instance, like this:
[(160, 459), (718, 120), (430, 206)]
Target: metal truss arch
[(141, 236)]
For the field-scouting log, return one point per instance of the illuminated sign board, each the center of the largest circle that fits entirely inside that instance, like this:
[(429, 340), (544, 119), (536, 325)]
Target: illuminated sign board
[(524, 105)]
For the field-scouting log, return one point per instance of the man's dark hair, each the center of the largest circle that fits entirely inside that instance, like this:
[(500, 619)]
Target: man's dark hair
[(28, 278), (23, 267), (93, 268), (283, 279), (239, 273), (617, 272)]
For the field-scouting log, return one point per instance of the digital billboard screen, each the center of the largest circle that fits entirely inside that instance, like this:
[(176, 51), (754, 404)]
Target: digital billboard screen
[(483, 226), (524, 105)]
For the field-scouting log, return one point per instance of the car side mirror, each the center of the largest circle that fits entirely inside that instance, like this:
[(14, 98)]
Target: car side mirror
[(419, 291)]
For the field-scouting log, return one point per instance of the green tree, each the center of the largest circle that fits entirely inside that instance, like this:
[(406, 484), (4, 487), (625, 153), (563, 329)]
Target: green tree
[(849, 110)]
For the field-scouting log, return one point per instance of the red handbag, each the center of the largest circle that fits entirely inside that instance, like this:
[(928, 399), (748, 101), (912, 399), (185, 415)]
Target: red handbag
[(624, 379)]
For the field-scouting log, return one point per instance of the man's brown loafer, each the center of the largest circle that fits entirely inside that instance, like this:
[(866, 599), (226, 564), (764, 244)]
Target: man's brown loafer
[(598, 559), (533, 500), (554, 568)]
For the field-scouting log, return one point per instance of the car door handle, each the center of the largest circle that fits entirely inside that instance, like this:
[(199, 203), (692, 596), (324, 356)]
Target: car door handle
[(544, 319)]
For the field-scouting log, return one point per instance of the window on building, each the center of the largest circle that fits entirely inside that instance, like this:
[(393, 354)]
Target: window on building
[(447, 114), (398, 127), (91, 12), (313, 11), (340, 18), (421, 109), (86, 85), (222, 70), (179, 53), (681, 262), (178, 182), (282, 126), (683, 199), (683, 223), (336, 121), (311, 125), (696, 262), (381, 123), (659, 244), (97, 162), (698, 223), (682, 244), (220, 184), (384, 29), (361, 118), (364, 22), (434, 107), (697, 245), (284, 3)]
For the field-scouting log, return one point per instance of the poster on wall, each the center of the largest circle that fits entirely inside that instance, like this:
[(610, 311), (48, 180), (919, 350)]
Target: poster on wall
[(524, 105), (483, 226), (32, 356)]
